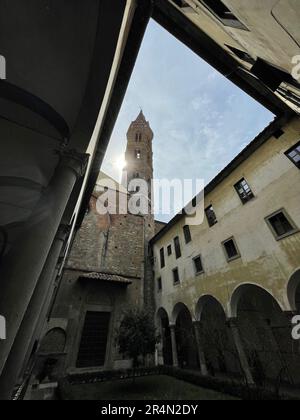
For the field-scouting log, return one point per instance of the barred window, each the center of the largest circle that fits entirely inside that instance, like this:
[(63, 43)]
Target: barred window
[(294, 155), (187, 234), (281, 224), (244, 191), (231, 249), (211, 216)]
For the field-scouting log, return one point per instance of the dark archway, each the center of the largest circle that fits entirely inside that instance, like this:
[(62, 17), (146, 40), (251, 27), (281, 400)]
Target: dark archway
[(185, 338), (165, 333), (293, 291), (218, 345), (266, 332)]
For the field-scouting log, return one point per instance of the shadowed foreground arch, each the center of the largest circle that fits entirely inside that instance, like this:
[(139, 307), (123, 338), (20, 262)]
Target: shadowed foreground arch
[(185, 337), (162, 320), (218, 345), (266, 332)]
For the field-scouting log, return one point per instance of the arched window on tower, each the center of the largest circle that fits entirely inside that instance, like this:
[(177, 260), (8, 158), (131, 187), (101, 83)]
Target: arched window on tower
[(140, 137), (138, 154)]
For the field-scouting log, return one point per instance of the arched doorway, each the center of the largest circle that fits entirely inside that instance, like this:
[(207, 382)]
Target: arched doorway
[(185, 338), (218, 345), (266, 333), (165, 334)]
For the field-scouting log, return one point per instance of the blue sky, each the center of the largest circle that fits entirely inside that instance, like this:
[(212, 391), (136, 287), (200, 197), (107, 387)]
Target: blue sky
[(201, 121)]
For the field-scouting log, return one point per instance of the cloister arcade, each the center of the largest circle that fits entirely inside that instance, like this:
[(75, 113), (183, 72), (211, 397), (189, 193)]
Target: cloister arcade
[(250, 339)]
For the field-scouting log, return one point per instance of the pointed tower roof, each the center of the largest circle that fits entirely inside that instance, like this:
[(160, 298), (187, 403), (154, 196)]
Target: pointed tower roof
[(141, 124), (141, 117)]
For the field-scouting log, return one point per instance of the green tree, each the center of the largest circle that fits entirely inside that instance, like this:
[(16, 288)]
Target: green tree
[(136, 336)]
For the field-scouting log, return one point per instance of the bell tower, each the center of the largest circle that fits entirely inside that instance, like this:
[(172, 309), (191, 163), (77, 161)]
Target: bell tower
[(139, 155), (139, 165)]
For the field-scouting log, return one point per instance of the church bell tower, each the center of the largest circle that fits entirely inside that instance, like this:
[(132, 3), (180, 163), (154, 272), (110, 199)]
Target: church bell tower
[(139, 165), (139, 155)]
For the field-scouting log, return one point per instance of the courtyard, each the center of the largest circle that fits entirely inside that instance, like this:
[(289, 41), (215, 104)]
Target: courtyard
[(150, 388)]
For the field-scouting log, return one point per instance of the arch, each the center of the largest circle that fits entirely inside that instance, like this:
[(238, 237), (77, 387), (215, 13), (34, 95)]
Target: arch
[(241, 290), (217, 341), (293, 291), (161, 313), (176, 311), (185, 337), (165, 355), (53, 342), (202, 304), (266, 335)]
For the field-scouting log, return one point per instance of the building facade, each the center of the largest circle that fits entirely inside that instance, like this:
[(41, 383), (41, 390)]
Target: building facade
[(249, 42), (226, 290)]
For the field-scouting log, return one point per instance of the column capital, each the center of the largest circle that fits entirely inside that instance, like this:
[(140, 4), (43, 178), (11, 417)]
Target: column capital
[(172, 326), (74, 160)]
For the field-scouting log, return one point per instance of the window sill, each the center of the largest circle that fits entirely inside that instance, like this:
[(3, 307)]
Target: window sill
[(287, 235), (229, 260), (200, 273), (248, 201)]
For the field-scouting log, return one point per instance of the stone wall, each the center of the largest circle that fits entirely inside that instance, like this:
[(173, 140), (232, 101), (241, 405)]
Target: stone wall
[(109, 243)]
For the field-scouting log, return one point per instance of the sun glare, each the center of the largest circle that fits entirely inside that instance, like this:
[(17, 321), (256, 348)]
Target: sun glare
[(120, 163)]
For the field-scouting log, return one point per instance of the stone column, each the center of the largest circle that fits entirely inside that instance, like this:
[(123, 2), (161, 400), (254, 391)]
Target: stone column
[(23, 265), (201, 355), (37, 307), (241, 352), (174, 345)]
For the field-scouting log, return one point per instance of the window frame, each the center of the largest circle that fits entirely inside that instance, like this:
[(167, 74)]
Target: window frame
[(288, 218), (198, 273), (236, 257), (207, 218), (232, 22), (187, 234), (162, 258), (236, 187), (159, 284), (169, 250), (291, 149), (177, 247), (176, 270)]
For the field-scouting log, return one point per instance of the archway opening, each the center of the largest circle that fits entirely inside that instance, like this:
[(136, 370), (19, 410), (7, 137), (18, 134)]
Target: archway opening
[(185, 339), (266, 332), (218, 345), (165, 336)]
